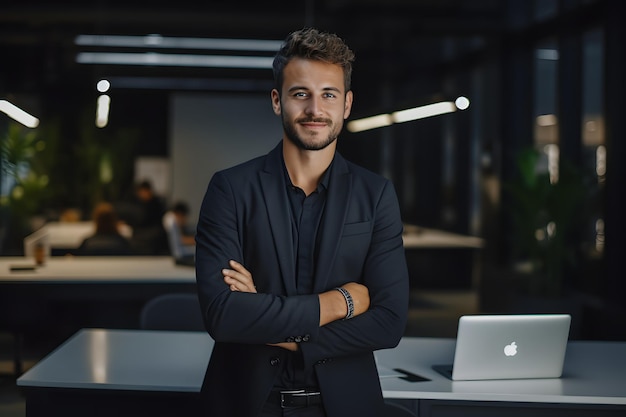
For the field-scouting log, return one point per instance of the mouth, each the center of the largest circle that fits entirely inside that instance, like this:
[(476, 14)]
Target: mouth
[(315, 124)]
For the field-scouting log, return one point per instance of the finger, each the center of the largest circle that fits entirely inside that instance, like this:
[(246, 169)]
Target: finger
[(239, 268), (237, 276), (240, 273), (239, 282), (234, 285)]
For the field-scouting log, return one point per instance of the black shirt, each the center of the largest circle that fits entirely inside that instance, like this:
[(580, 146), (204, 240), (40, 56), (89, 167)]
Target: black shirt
[(306, 215)]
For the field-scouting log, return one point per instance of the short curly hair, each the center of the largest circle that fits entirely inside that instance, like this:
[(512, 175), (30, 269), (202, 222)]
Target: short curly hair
[(310, 43)]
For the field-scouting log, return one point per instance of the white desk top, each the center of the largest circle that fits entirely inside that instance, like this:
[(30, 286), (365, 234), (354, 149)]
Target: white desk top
[(141, 360), (595, 372), (97, 269)]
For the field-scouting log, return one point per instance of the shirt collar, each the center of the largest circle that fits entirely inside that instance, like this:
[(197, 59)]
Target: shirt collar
[(324, 181)]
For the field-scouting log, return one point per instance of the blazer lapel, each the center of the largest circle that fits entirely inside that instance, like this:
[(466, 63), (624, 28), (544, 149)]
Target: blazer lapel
[(273, 184), (333, 219)]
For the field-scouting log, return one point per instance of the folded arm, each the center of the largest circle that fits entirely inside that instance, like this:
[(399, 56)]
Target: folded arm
[(333, 304), (232, 224)]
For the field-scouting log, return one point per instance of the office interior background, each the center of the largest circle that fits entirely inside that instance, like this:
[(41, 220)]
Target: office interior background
[(533, 166)]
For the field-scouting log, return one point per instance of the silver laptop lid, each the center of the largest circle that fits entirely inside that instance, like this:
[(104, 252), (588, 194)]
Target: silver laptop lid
[(510, 346)]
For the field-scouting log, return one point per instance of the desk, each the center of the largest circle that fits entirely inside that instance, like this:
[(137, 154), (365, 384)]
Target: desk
[(593, 383), (121, 372), (98, 269), (92, 279), (68, 293), (60, 238)]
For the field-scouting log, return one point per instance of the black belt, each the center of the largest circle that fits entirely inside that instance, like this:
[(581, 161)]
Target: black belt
[(295, 398)]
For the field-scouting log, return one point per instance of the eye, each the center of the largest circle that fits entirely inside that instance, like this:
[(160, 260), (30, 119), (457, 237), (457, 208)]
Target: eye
[(330, 95), (300, 94)]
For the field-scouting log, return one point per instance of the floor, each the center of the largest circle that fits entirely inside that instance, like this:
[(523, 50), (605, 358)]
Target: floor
[(431, 314)]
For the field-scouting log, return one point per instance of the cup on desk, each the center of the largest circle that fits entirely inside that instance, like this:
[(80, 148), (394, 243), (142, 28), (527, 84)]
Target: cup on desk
[(39, 253)]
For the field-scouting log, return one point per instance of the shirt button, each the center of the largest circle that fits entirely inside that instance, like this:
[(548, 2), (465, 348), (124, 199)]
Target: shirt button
[(275, 361), (306, 338), (298, 339)]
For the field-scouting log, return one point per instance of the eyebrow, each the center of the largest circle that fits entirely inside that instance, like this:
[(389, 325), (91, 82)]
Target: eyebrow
[(296, 87)]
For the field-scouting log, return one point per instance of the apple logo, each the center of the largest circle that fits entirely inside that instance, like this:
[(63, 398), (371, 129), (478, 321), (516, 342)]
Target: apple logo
[(510, 350)]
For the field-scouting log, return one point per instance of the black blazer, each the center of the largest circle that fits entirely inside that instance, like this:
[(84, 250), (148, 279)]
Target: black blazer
[(245, 217)]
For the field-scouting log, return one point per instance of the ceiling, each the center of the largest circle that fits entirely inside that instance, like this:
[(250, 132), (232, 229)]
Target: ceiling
[(392, 38)]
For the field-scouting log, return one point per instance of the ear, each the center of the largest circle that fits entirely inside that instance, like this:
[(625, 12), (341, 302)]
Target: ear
[(348, 105), (276, 102)]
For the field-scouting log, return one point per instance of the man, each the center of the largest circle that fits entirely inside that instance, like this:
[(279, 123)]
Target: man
[(299, 260), (148, 234)]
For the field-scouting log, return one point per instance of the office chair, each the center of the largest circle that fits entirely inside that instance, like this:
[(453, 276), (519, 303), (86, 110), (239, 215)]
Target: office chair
[(19, 320), (174, 311), (396, 410)]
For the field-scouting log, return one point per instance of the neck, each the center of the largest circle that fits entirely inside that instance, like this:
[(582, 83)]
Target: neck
[(306, 168)]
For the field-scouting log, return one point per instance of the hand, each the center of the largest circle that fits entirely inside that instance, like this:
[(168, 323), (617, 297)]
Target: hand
[(238, 278), (292, 346)]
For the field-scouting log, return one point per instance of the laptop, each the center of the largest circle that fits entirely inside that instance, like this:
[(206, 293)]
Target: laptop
[(514, 346)]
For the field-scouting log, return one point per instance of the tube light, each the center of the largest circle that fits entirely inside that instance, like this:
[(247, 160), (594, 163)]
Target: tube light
[(102, 110), (422, 112), (401, 116), (177, 60), (18, 114), (158, 41), (369, 123)]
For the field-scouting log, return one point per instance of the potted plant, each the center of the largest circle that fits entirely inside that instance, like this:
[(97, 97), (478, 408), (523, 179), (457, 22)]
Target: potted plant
[(24, 177), (544, 214)]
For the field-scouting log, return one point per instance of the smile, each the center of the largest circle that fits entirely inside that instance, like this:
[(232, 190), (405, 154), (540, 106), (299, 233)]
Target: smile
[(314, 125)]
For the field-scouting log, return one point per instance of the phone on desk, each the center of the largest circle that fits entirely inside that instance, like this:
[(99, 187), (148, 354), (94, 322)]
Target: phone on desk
[(23, 268)]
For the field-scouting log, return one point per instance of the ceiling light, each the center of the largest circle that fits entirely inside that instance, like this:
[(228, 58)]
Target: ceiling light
[(158, 41), (462, 103), (401, 116), (102, 110), (195, 84), (103, 86), (175, 60), (422, 112), (18, 114), (369, 123)]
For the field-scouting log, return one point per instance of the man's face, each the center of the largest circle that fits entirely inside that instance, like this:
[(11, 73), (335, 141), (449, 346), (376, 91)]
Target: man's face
[(313, 104)]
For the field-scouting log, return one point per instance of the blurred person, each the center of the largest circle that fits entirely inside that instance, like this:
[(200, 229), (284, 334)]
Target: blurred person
[(152, 207), (300, 262), (149, 237), (182, 242), (107, 239)]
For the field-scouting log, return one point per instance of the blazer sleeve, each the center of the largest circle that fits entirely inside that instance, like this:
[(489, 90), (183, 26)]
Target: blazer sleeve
[(239, 317), (385, 274)]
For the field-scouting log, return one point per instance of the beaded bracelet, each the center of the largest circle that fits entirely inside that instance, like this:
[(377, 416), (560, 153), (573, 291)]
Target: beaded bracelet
[(349, 302)]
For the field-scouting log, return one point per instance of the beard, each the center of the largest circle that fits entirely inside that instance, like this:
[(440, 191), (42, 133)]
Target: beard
[(314, 144)]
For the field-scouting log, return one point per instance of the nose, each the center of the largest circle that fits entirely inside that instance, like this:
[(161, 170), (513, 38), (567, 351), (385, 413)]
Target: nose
[(314, 106)]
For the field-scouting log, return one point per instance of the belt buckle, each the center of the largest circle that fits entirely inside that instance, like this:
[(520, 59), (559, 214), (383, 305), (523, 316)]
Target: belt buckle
[(292, 392)]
